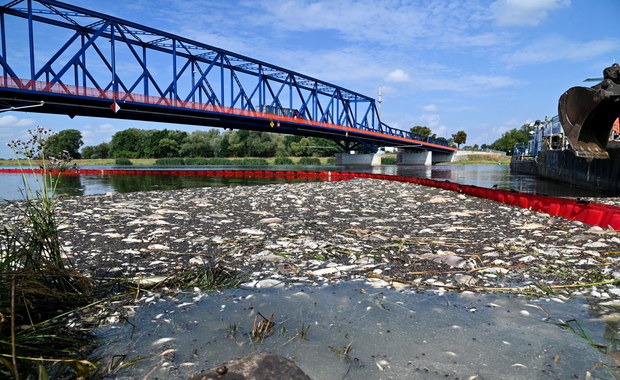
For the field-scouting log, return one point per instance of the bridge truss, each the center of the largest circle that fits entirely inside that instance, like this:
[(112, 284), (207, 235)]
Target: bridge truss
[(60, 58)]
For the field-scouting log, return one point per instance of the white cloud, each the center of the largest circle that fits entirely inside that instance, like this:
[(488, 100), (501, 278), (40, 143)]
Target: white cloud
[(433, 121), (398, 76), (96, 134), (556, 48), (431, 108), (524, 12), (12, 121)]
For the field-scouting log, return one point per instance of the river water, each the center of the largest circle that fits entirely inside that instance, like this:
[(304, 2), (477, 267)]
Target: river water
[(497, 176), (355, 331)]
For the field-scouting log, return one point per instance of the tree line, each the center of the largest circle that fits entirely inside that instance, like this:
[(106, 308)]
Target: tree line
[(139, 143)]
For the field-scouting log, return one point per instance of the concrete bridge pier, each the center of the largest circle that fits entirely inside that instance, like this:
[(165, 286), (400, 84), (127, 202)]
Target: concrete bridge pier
[(369, 159), (443, 157), (425, 157)]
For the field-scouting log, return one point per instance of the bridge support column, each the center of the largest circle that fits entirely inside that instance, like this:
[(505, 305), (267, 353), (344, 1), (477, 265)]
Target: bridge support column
[(370, 159), (414, 158), (443, 157)]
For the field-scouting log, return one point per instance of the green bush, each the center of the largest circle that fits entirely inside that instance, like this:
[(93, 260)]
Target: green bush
[(170, 161), (218, 161), (197, 161), (283, 161), (250, 161), (123, 161), (125, 154), (309, 161), (388, 160), (331, 161)]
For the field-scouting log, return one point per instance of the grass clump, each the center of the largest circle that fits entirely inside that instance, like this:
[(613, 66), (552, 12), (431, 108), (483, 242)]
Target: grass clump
[(170, 161), (39, 288), (123, 161), (283, 161), (309, 161), (388, 160), (204, 277)]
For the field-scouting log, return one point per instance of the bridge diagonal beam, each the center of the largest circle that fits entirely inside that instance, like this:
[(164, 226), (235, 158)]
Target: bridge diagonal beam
[(202, 80), (53, 59), (275, 97), (110, 67), (61, 14), (327, 116), (145, 71), (241, 89), (75, 57), (171, 87)]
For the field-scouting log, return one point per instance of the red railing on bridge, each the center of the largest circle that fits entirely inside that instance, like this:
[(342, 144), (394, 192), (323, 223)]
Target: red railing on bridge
[(120, 97)]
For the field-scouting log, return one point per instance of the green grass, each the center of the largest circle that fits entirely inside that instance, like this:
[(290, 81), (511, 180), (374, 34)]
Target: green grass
[(482, 159)]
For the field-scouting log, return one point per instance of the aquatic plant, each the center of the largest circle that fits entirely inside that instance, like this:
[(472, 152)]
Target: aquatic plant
[(38, 286), (342, 352), (262, 327)]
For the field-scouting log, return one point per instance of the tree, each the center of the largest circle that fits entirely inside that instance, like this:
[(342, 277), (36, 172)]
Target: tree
[(460, 137), (302, 147), (69, 140), (422, 132), (102, 150), (199, 144), (128, 143), (96, 151), (236, 143), (88, 151), (512, 137)]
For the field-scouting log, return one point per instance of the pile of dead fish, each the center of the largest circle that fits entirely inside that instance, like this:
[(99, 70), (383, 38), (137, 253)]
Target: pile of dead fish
[(390, 234)]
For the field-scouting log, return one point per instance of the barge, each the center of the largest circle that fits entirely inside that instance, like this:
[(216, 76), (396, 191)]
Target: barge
[(581, 145)]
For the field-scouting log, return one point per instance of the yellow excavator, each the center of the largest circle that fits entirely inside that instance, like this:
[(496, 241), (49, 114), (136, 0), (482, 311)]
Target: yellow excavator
[(587, 114)]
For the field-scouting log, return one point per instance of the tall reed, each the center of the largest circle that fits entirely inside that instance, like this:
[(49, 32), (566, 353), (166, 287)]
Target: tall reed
[(37, 284)]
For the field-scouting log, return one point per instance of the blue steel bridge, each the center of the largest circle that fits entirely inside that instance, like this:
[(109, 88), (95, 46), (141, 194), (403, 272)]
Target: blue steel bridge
[(61, 59)]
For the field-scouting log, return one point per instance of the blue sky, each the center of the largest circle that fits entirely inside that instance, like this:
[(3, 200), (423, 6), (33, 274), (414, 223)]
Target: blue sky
[(480, 66)]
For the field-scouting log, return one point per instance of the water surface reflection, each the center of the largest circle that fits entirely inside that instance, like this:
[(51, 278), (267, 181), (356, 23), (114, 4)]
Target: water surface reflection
[(491, 176)]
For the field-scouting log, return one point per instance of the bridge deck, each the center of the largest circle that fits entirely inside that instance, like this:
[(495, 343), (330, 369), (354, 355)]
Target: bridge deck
[(59, 98)]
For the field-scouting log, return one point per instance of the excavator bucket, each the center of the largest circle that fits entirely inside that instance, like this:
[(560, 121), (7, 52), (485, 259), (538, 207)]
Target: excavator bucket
[(587, 114)]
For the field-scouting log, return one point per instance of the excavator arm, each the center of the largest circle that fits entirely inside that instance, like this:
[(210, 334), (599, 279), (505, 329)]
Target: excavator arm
[(587, 114)]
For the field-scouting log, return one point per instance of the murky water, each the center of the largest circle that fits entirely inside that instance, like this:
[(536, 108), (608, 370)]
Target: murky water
[(389, 334), (498, 176)]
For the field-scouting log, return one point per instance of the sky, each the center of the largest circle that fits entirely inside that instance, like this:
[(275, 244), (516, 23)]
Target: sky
[(480, 66)]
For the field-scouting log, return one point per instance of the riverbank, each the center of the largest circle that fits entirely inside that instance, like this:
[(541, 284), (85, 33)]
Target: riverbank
[(388, 159)]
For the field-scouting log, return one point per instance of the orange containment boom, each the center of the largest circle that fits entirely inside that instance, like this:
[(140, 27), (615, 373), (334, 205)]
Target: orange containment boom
[(592, 213)]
